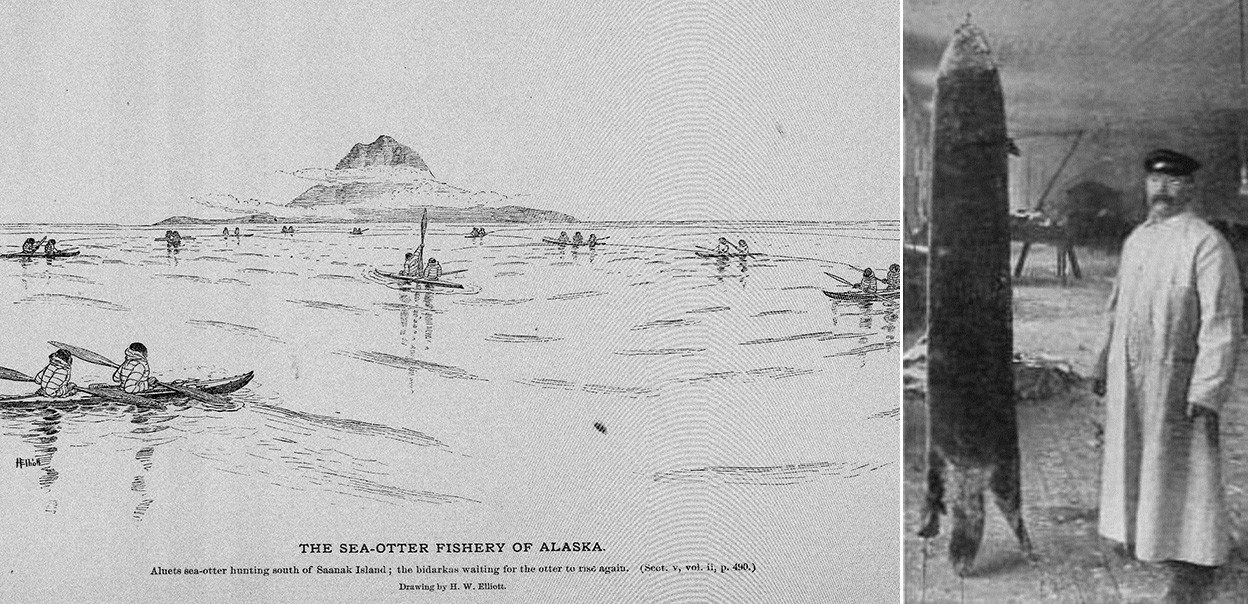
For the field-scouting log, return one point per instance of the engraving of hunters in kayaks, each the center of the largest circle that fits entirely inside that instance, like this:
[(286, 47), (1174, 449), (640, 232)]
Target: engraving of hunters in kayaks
[(134, 377), (576, 241), (868, 288), (416, 271), (44, 248), (726, 249), (54, 386)]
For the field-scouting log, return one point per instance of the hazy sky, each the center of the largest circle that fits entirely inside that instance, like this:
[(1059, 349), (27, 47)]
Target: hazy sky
[(119, 111)]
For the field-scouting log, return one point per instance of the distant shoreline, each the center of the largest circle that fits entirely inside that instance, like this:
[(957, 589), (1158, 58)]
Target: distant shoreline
[(221, 221), (502, 214)]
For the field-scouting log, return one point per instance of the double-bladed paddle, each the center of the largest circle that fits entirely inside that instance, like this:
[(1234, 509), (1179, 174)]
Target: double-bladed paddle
[(424, 226), (840, 279), (116, 395), (99, 359)]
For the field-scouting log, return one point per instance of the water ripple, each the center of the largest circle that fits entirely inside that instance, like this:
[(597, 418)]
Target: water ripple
[(865, 349), (76, 300), (234, 327), (576, 295), (665, 323), (322, 305), (492, 301), (391, 360), (770, 475), (818, 335), (660, 352), (519, 338)]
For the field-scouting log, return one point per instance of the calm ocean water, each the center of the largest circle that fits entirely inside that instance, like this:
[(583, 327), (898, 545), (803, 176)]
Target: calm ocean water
[(670, 407)]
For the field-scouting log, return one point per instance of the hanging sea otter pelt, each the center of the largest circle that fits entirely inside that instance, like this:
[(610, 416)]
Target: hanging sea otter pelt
[(972, 431)]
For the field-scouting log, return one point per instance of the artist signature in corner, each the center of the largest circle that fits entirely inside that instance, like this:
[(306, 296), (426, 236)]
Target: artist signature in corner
[(28, 463)]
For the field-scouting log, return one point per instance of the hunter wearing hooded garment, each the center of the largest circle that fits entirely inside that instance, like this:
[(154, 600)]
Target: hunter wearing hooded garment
[(134, 375), (53, 379)]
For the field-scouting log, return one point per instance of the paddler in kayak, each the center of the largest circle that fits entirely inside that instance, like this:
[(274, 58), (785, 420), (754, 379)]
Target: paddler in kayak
[(409, 265), (593, 240), (49, 248), (237, 233), (53, 380), (893, 279), (226, 231), (577, 239), (742, 248), (868, 284), (563, 237), (134, 374), (433, 270), (413, 262), (31, 246), (724, 247)]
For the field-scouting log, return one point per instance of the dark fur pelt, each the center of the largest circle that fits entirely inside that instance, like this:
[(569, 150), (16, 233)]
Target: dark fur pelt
[(964, 485)]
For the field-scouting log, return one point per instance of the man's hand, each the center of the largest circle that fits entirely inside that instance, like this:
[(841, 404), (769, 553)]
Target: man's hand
[(1098, 386)]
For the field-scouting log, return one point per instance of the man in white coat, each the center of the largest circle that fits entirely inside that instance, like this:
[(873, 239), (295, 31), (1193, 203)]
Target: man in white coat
[(1166, 368)]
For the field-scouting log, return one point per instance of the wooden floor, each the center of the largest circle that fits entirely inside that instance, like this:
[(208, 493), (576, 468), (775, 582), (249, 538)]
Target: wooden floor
[(1060, 474)]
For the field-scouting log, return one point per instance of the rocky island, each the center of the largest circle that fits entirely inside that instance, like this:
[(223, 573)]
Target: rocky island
[(385, 181)]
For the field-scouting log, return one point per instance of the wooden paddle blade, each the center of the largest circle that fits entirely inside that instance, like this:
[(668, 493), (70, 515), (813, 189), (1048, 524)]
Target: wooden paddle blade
[(195, 393), (123, 397), (845, 281), (14, 375), (86, 355)]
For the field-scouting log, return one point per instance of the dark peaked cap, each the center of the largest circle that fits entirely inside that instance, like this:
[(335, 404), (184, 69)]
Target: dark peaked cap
[(1170, 162)]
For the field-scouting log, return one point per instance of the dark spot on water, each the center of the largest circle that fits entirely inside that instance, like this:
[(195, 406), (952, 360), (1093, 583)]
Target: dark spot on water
[(599, 427)]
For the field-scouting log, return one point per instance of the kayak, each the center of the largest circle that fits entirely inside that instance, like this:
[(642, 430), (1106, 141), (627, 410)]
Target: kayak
[(357, 231), (187, 238), (702, 254), (217, 386), (583, 243), (58, 254), (887, 294), (242, 235), (418, 280), (475, 236)]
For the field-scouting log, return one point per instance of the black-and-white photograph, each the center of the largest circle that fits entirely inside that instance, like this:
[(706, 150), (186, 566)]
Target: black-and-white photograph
[(1075, 226)]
